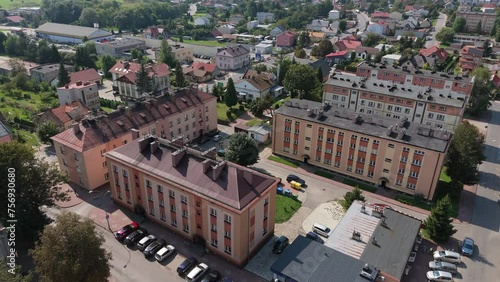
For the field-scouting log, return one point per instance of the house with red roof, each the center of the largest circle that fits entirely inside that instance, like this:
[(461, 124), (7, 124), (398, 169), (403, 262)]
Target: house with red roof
[(254, 85), (337, 57), (201, 72), (495, 79), (14, 20), (346, 44), (470, 58), (488, 8), (286, 39), (155, 32), (431, 56), (64, 116), (380, 16), (90, 75), (124, 74)]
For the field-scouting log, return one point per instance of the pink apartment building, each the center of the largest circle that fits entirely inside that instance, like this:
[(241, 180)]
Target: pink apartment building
[(286, 39), (228, 208), (188, 113)]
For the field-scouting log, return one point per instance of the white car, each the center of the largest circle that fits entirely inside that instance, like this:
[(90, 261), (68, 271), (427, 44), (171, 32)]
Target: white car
[(447, 256), (197, 272), (145, 242), (164, 252), (439, 276), (216, 138), (443, 266)]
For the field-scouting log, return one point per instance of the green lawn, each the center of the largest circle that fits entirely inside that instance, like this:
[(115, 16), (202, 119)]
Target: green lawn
[(24, 108), (444, 176), (199, 15), (281, 102), (30, 138), (283, 161), (433, 22), (222, 109), (285, 208), (210, 43), (254, 121), (107, 110), (360, 185), (12, 4)]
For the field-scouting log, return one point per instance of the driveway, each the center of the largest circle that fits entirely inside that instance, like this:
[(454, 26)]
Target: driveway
[(440, 23), (106, 91)]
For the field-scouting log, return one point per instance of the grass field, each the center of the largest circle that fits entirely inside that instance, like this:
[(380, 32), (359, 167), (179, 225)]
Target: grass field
[(285, 208), (444, 176), (107, 110), (210, 43), (222, 109), (283, 161), (254, 121), (12, 4), (12, 106)]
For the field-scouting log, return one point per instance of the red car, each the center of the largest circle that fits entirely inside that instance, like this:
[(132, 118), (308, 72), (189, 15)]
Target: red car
[(382, 206), (126, 230)]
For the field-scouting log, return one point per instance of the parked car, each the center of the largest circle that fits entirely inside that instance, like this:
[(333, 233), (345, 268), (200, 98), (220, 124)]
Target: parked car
[(468, 247), (125, 230), (443, 266), (154, 247), (144, 242), (447, 256), (164, 253), (212, 276), (203, 140), (439, 276), (186, 265), (292, 177), (135, 236), (221, 153), (196, 273), (212, 133), (280, 244), (321, 230), (315, 237), (217, 138)]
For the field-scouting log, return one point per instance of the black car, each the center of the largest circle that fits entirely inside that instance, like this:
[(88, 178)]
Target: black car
[(125, 230), (203, 140), (135, 237), (212, 276), (154, 247), (212, 133), (280, 245), (292, 177), (313, 236), (186, 265)]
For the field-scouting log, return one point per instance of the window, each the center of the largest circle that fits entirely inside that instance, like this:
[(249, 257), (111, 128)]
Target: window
[(419, 152), (171, 194), (339, 153), (308, 138), (362, 148), (266, 201), (77, 158), (349, 168), (148, 183), (288, 129), (406, 149), (370, 174), (361, 160), (318, 149), (172, 208), (185, 228), (440, 117), (398, 182), (173, 221), (401, 171), (387, 160), (178, 120), (287, 139), (417, 162), (353, 146), (104, 164), (404, 159), (372, 162), (320, 138), (115, 169), (374, 151), (328, 151), (389, 108), (309, 125), (227, 218), (365, 139), (227, 234), (413, 174), (152, 211), (351, 157), (297, 123), (410, 186), (160, 188), (187, 127), (288, 120), (264, 231), (162, 216), (386, 170), (329, 140), (184, 199), (297, 131), (106, 176), (306, 148), (62, 151), (214, 242), (185, 213), (397, 109), (337, 164), (328, 161), (359, 171), (407, 111), (227, 249), (213, 212), (390, 145), (340, 133), (430, 115), (376, 142), (171, 124)]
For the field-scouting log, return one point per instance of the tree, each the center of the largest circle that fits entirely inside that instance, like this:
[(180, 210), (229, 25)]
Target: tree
[(342, 25), (3, 38), (59, 255), (16, 276), (479, 27), (143, 82), (487, 49), (17, 67), (105, 63), (231, 96), (439, 223), (480, 97), (260, 68), (180, 81), (301, 80), (89, 16), (445, 35), (300, 53), (324, 47), (166, 55), (63, 75), (36, 185), (465, 153), (371, 39), (257, 107), (459, 25), (46, 130), (351, 196), (319, 73), (242, 150), (303, 40)]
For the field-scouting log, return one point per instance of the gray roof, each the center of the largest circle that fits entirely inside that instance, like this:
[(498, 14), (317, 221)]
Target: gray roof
[(234, 51), (49, 68), (379, 126), (3, 130), (125, 42), (394, 243), (308, 261), (261, 129), (71, 30)]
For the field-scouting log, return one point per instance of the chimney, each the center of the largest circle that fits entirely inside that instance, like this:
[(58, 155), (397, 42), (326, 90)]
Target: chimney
[(248, 176), (135, 133), (210, 153), (206, 165), (76, 128), (178, 141), (154, 146), (143, 143), (217, 169), (177, 156), (78, 83), (128, 111)]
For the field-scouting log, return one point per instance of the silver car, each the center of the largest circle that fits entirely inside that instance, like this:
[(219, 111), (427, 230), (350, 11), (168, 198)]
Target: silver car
[(439, 276), (443, 266), (447, 256)]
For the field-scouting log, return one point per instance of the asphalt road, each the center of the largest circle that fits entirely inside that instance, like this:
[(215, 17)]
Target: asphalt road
[(440, 23), (361, 25), (485, 225)]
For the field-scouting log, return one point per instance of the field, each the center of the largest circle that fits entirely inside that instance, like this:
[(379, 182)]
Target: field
[(285, 208), (222, 109), (210, 43), (12, 4), (283, 161)]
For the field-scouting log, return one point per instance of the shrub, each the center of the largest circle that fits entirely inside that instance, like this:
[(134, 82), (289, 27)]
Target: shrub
[(242, 108), (276, 106)]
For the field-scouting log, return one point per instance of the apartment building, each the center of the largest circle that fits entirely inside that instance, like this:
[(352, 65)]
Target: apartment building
[(232, 58), (384, 151), (84, 91), (370, 96), (80, 150), (230, 208), (474, 19)]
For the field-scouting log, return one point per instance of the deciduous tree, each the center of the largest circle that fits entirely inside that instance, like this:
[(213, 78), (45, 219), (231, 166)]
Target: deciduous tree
[(300, 53), (371, 39), (459, 25), (445, 35), (439, 223), (351, 196), (143, 82), (231, 96), (301, 80), (480, 98), (15, 276), (242, 150), (166, 55), (46, 130), (63, 75), (71, 250)]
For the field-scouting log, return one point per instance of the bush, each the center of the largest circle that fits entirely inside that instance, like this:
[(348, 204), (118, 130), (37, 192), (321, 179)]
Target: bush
[(276, 106), (240, 101), (242, 108)]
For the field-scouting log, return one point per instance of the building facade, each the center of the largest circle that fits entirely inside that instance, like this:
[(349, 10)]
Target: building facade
[(384, 151), (47, 72), (233, 58), (124, 74), (80, 150), (474, 19), (230, 208), (83, 91), (120, 48)]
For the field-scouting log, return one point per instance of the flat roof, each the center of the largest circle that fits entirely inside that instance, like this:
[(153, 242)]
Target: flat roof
[(71, 30), (391, 129), (3, 130), (406, 90), (306, 260), (123, 42)]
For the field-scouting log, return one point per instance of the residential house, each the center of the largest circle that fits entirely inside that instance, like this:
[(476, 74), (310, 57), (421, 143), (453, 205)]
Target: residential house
[(410, 33), (317, 25), (83, 91), (202, 21), (383, 47), (66, 115), (5, 134), (337, 57), (65, 33), (232, 58), (80, 150), (425, 24), (46, 72), (379, 28), (236, 19), (334, 15), (392, 59), (90, 75), (155, 32), (495, 79), (431, 56), (346, 44), (396, 16), (124, 74), (366, 53), (195, 195), (183, 54), (316, 36), (418, 13), (226, 29), (254, 85), (488, 8), (470, 58), (201, 72), (286, 39), (14, 20), (380, 17), (263, 48), (277, 30), (120, 47), (252, 24), (264, 17), (449, 5), (6, 67)]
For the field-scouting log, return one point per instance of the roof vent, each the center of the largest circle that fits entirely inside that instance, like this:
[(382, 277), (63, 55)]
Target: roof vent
[(184, 100), (383, 223), (309, 112), (356, 235), (374, 241)]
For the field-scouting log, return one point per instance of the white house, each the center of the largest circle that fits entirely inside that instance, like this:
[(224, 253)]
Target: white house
[(84, 91), (259, 133), (202, 21), (317, 25), (226, 29), (254, 86), (385, 47), (252, 24), (265, 17), (233, 58), (377, 28), (334, 15), (263, 48), (391, 59)]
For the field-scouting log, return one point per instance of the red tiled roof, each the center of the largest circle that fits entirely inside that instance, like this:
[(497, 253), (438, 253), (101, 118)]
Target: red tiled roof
[(408, 7), (434, 50), (106, 128), (287, 34), (128, 70), (338, 54), (204, 66), (489, 6), (15, 19), (347, 44), (84, 75), (380, 15), (61, 112), (215, 33), (123, 67)]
